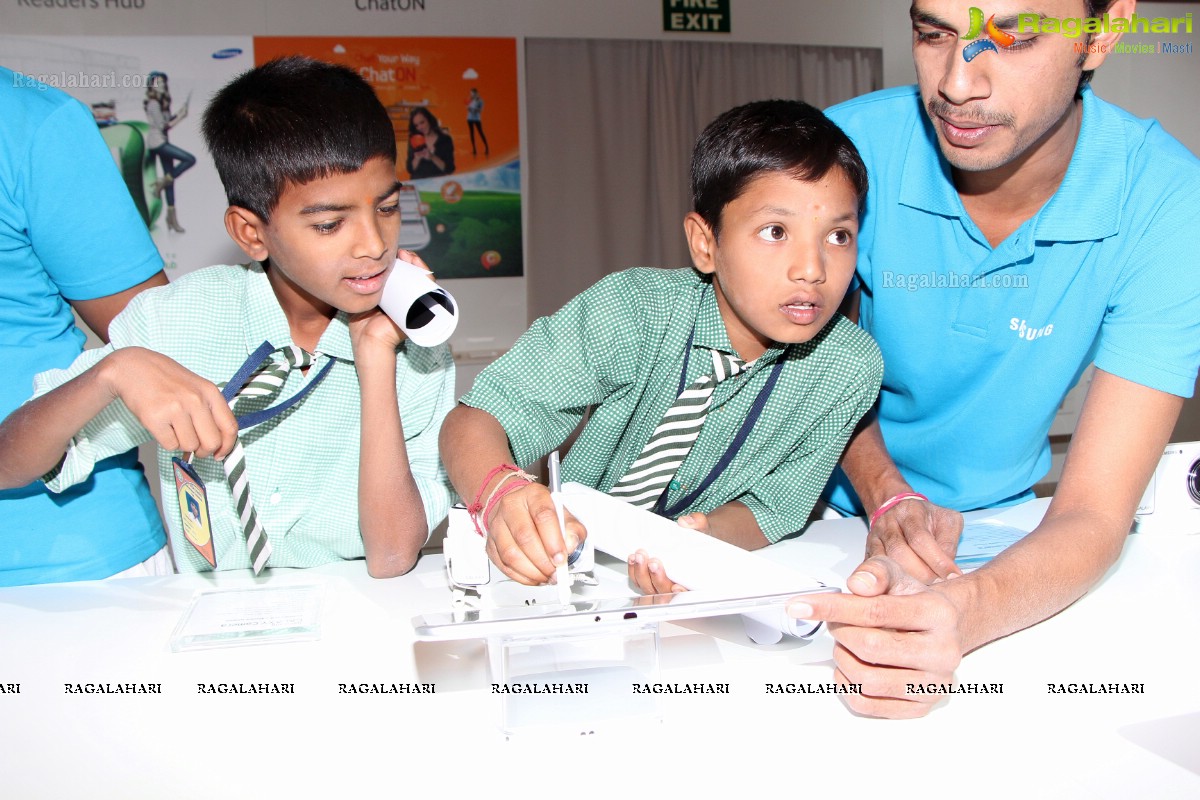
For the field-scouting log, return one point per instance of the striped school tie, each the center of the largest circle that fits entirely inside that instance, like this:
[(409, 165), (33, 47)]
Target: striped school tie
[(265, 382), (672, 440)]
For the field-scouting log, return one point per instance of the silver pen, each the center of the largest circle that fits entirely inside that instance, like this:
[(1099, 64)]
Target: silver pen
[(555, 481), (562, 573)]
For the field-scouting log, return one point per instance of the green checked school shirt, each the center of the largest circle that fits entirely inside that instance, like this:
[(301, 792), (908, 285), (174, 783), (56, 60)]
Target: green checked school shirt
[(303, 464), (618, 348)]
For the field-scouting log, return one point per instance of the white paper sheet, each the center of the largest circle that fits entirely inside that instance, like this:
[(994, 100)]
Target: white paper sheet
[(690, 558)]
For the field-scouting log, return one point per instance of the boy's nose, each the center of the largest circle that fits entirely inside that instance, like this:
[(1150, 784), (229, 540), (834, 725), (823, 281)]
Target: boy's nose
[(808, 266), (371, 242)]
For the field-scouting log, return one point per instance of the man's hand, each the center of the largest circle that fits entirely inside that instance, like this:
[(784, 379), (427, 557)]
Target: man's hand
[(892, 631), (181, 410), (524, 538), (919, 536)]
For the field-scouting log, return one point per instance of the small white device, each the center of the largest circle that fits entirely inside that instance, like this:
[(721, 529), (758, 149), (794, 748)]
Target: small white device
[(426, 312), (1171, 503), (468, 563)]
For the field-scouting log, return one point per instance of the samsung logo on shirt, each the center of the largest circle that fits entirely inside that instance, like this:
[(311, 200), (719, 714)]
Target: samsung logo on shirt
[(1025, 332)]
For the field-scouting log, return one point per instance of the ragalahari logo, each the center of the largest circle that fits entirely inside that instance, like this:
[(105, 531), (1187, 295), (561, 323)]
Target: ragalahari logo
[(995, 36)]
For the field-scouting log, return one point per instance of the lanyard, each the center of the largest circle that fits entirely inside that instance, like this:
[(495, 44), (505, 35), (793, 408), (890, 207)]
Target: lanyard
[(660, 507), (247, 370)]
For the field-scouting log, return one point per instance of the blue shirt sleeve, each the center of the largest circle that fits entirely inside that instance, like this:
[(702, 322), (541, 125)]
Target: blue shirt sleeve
[(91, 241)]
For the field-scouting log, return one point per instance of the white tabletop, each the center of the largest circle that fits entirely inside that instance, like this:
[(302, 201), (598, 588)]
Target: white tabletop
[(1137, 627)]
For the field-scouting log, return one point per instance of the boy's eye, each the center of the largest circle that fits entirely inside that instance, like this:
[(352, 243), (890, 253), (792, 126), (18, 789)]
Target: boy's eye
[(390, 209), (772, 233), (841, 237), (327, 227)]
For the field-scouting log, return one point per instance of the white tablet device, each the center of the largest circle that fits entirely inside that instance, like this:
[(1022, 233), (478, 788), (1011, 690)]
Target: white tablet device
[(584, 616)]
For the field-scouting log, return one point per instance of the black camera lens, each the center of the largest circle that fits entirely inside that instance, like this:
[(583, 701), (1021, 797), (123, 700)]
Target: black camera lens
[(1193, 481)]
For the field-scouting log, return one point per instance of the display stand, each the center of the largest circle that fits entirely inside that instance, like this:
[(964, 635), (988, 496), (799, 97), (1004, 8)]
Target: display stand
[(575, 683)]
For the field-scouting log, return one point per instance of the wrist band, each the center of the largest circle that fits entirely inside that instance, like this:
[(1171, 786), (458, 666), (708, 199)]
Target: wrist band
[(493, 500), (892, 502), (476, 508)]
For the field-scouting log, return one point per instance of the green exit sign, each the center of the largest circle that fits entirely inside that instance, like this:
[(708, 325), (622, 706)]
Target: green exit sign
[(696, 16)]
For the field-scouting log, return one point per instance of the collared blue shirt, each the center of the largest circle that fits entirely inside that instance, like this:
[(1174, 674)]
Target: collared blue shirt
[(68, 231), (981, 344)]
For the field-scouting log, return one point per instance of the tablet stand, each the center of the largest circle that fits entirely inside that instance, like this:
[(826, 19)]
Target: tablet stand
[(575, 683)]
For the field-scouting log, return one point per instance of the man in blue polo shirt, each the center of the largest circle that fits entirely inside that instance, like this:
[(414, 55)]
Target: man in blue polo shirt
[(1017, 229), (69, 237)]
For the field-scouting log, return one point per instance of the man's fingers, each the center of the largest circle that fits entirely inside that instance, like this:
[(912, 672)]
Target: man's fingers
[(932, 533), (921, 553), (915, 613), (880, 575), (900, 650), (885, 682), (888, 539), (886, 707)]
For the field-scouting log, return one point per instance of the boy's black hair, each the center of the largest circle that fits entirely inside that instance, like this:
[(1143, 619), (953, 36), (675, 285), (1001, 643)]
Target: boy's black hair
[(293, 120), (786, 136)]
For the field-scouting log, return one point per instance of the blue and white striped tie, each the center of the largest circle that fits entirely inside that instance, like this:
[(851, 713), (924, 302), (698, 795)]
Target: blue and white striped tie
[(266, 382)]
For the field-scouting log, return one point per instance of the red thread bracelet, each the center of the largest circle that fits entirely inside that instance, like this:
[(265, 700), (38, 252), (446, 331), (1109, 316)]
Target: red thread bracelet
[(494, 499), (892, 502), (477, 506)]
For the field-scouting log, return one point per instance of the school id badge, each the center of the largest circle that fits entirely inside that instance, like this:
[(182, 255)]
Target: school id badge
[(193, 510)]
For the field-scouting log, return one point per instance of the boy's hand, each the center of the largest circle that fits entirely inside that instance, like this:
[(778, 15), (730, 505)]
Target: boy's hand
[(893, 631), (415, 260), (920, 536), (649, 576), (180, 409), (374, 328), (524, 539)]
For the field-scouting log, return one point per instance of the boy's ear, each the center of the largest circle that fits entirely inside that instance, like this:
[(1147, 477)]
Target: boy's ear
[(246, 229), (701, 242)]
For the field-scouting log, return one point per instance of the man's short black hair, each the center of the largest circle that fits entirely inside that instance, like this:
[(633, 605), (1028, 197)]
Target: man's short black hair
[(787, 136), (293, 120)]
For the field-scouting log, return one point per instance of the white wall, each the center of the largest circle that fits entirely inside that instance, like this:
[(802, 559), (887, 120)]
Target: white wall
[(494, 308)]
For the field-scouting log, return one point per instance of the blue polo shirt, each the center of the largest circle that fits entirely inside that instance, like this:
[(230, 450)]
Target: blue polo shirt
[(68, 231), (981, 344)]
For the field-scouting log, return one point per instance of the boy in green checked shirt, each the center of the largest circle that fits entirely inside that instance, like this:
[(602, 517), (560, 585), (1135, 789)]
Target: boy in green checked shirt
[(721, 395), (307, 155)]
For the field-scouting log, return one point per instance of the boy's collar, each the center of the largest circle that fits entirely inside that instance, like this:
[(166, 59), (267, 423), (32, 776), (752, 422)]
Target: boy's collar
[(263, 320), (711, 332)]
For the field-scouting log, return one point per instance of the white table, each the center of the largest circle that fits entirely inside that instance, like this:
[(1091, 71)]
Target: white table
[(1138, 626)]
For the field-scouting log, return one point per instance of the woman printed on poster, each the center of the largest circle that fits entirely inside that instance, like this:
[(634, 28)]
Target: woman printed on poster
[(475, 121), (430, 148), (175, 160)]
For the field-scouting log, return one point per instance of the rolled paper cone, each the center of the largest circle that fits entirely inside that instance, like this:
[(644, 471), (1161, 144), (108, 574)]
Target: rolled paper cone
[(426, 312)]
